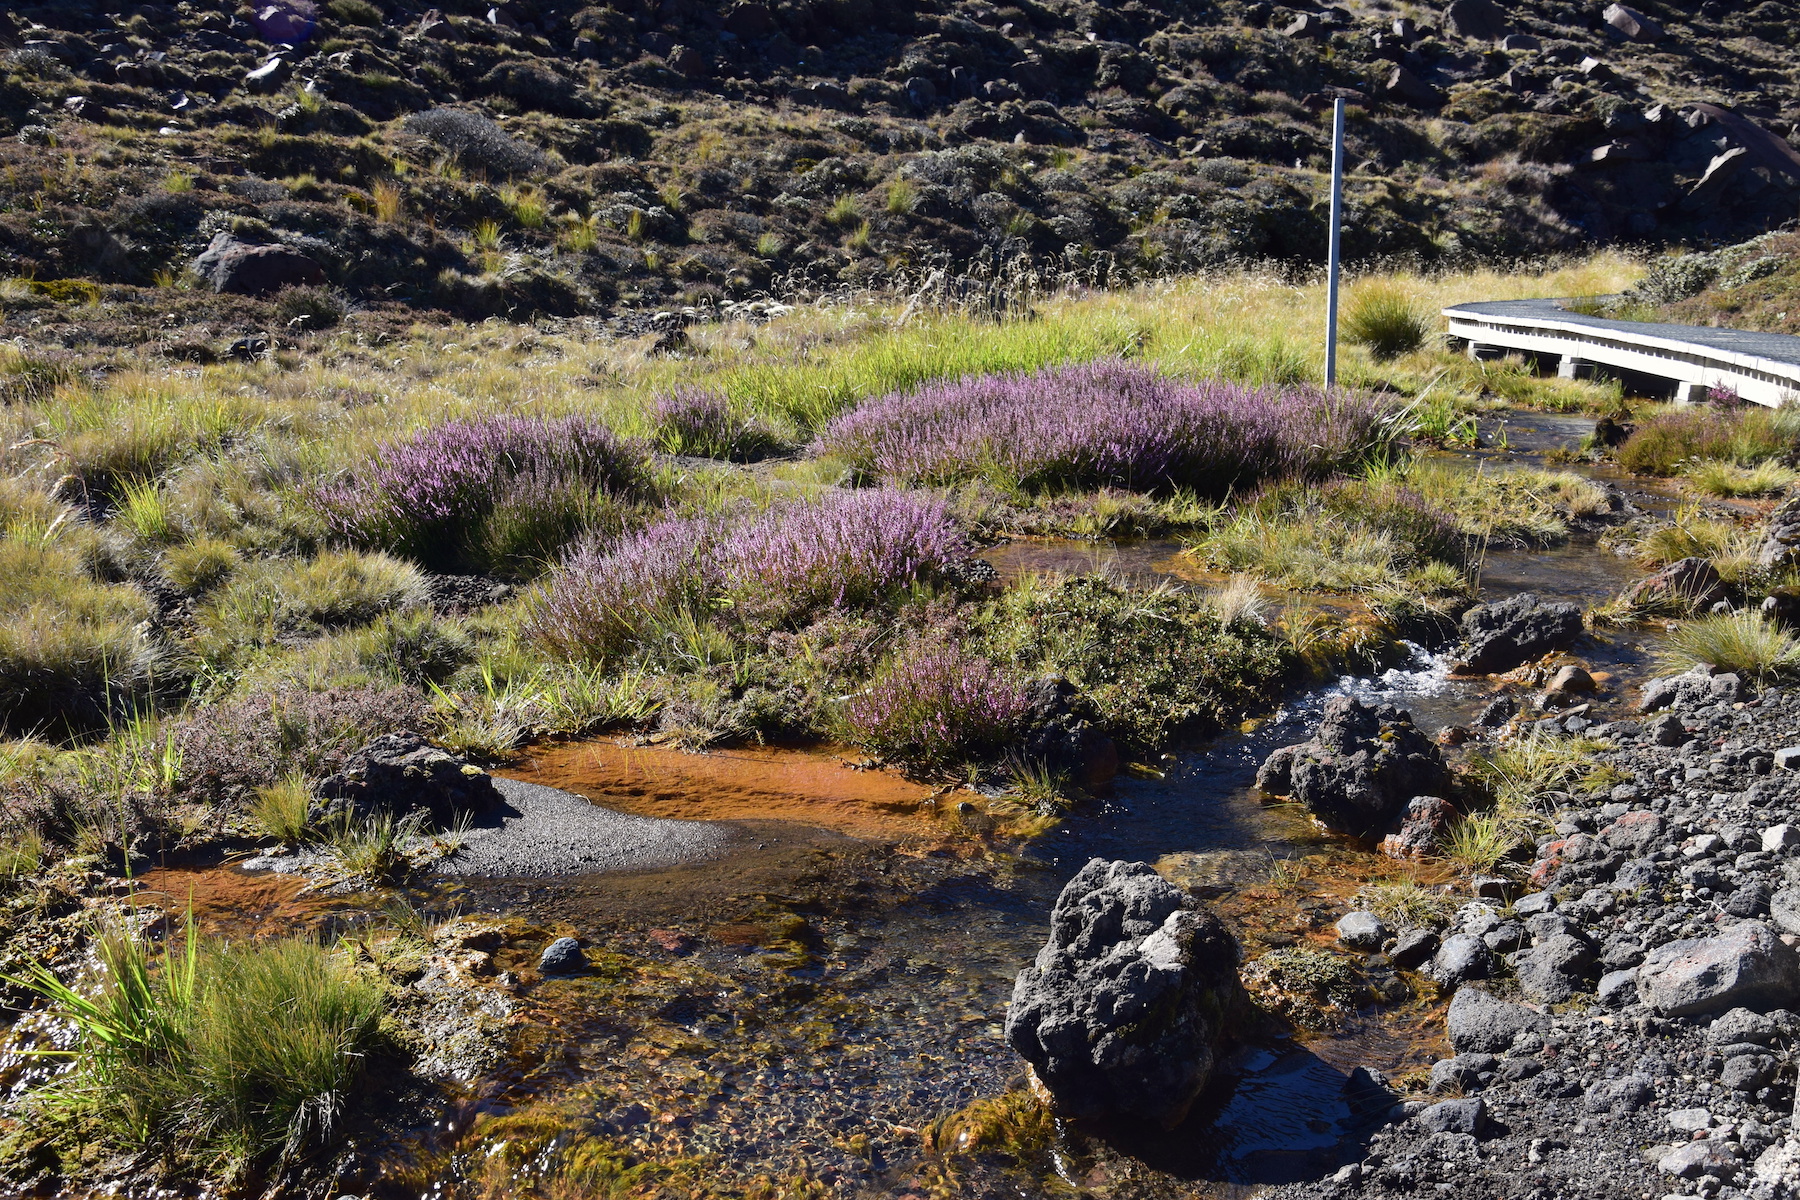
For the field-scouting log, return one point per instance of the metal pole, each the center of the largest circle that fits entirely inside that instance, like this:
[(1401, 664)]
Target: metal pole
[(1337, 213)]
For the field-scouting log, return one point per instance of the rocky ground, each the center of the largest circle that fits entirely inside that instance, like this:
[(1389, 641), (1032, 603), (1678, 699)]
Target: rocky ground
[(167, 165), (1628, 1027)]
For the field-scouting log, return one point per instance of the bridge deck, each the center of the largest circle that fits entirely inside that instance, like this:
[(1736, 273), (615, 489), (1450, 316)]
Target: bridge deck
[(1761, 367)]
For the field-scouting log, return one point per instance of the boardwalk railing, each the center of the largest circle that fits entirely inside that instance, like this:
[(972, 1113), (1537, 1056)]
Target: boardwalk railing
[(1763, 368)]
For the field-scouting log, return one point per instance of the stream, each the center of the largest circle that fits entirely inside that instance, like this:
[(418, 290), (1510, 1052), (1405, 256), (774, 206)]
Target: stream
[(804, 1006)]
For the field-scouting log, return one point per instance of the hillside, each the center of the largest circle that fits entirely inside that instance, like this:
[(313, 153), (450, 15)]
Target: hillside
[(533, 157)]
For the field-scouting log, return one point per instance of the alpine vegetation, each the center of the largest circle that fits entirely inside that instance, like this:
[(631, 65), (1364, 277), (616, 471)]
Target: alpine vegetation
[(1106, 424), (845, 549), (493, 495)]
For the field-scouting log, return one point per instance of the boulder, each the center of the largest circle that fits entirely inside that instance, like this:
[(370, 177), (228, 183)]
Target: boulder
[(1507, 633), (1363, 762), (1686, 585), (1747, 966), (1407, 88), (1412, 948), (1479, 1023), (1454, 1116), (1692, 689), (1784, 910), (1571, 679), (253, 270), (1480, 20), (1631, 24), (1636, 833), (1123, 1010), (398, 775)]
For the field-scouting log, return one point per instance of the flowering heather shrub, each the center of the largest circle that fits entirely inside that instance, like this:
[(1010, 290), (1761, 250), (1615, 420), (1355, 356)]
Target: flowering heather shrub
[(1105, 424), (845, 549), (433, 497), (938, 705), (229, 750), (700, 422), (607, 594)]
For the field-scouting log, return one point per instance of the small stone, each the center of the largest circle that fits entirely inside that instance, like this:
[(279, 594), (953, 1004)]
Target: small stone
[(1572, 678), (1461, 1074), (1617, 988), (1537, 902), (1788, 758), (563, 957), (1708, 1157), (1363, 931), (1690, 1120), (1668, 730), (1781, 837), (1479, 1022), (1462, 957), (1412, 948)]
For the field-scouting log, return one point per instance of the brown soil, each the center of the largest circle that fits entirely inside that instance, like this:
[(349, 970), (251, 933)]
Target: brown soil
[(807, 787)]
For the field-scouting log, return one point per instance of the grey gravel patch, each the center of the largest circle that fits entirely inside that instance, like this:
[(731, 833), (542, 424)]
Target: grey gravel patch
[(543, 831)]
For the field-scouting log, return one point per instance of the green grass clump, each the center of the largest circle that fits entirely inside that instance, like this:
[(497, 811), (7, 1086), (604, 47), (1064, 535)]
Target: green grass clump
[(227, 1056), (1743, 641), (1664, 442), (1406, 904), (201, 565), (335, 589), (1481, 842), (1384, 318), (280, 809), (1728, 480)]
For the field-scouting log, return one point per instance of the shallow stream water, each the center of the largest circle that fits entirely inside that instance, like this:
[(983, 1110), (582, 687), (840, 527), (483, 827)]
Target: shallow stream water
[(804, 1006)]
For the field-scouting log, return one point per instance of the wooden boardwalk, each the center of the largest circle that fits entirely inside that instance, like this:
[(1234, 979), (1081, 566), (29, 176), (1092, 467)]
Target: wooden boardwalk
[(1763, 368)]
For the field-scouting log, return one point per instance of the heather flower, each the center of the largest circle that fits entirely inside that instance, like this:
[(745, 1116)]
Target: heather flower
[(1105, 424), (843, 549), (938, 705), (608, 593), (432, 496), (696, 421)]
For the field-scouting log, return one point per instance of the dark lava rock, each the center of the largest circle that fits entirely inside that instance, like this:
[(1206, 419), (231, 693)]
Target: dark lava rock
[(399, 774), (563, 957), (1507, 633), (1412, 948), (252, 270), (1692, 689), (1427, 820), (1554, 970), (1124, 1008), (1462, 957), (1480, 1023), (1746, 966), (1781, 540), (1361, 765), (1062, 733), (1687, 585)]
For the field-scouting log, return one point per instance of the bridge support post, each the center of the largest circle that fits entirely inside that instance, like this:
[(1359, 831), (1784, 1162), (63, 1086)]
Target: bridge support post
[(1686, 392), (1573, 368)]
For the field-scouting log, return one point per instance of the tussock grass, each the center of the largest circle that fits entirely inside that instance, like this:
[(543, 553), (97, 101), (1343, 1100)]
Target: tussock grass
[(336, 588), (1728, 480), (225, 1055), (1665, 442), (279, 809), (1482, 842), (1407, 904), (1383, 317), (1742, 641)]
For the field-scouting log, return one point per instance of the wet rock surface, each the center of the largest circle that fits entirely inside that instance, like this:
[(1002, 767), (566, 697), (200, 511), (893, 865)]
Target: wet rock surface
[(1642, 1034), (1123, 1011), (1502, 635), (1360, 769)]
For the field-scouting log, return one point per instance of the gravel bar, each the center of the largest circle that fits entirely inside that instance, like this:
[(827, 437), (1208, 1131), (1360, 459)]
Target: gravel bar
[(544, 831)]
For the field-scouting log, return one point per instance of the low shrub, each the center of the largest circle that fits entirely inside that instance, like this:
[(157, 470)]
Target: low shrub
[(706, 424), (303, 309), (477, 142), (501, 494), (1106, 423), (232, 1055), (936, 706), (1384, 318), (1155, 665), (230, 749), (607, 595)]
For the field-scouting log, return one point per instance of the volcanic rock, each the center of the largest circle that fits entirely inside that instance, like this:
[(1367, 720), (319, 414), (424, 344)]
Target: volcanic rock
[(399, 774), (252, 270), (1362, 764), (1123, 1010), (1685, 585), (1747, 966), (1506, 633)]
